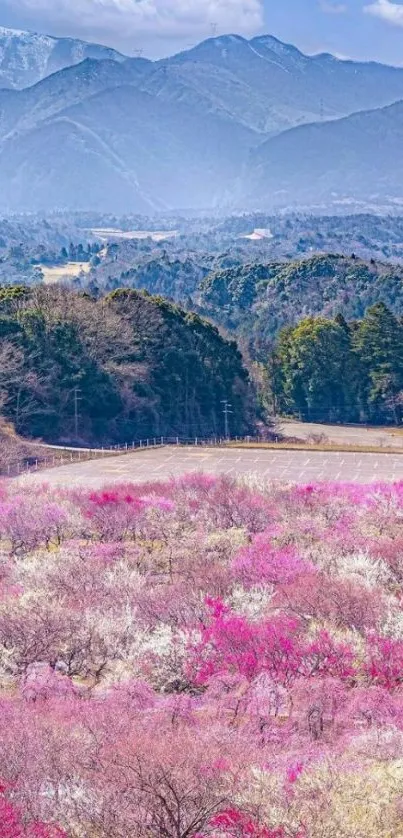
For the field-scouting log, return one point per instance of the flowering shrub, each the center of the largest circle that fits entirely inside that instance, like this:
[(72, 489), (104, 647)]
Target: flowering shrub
[(236, 824), (201, 659), (13, 825)]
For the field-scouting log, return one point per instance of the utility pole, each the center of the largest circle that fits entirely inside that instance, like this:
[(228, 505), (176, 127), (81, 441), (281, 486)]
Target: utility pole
[(138, 53), (226, 411), (214, 28), (77, 399), (322, 112)]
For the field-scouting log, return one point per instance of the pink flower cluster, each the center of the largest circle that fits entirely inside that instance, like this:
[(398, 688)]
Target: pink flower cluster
[(201, 659)]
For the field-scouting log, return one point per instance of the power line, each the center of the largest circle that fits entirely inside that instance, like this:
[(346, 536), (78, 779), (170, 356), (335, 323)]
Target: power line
[(77, 399), (226, 411)]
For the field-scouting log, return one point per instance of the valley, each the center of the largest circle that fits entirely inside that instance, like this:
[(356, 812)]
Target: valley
[(201, 421), (307, 324)]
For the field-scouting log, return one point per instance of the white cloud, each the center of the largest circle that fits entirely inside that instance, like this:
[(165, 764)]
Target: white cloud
[(386, 10), (149, 18)]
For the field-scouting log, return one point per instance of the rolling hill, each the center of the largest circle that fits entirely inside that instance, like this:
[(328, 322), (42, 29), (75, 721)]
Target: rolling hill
[(256, 301), (145, 367)]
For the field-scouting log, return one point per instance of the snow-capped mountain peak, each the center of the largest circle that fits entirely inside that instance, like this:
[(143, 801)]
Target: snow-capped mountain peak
[(28, 57)]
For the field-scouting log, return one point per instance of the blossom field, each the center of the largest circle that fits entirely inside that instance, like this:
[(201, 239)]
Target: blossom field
[(201, 658)]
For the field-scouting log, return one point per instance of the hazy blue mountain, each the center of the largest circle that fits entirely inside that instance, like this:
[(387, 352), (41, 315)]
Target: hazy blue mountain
[(21, 110), (28, 57), (122, 150), (359, 157), (263, 83), (271, 86), (202, 129)]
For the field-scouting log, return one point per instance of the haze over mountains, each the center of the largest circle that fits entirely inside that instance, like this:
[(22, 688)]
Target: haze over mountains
[(359, 157), (230, 123), (28, 57)]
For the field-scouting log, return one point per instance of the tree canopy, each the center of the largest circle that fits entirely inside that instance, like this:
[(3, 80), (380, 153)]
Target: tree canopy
[(123, 367), (331, 370)]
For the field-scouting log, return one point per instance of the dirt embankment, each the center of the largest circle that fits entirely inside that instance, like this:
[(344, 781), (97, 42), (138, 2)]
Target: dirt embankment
[(13, 449)]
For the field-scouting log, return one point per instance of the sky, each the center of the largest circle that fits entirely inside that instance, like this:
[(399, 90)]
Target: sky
[(360, 29)]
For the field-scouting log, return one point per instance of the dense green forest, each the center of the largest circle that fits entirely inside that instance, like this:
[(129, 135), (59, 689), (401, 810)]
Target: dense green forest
[(131, 365), (330, 370), (256, 301), (139, 366)]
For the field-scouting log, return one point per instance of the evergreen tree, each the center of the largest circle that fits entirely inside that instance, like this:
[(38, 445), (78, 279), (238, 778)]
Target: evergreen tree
[(378, 343), (312, 360), (331, 370)]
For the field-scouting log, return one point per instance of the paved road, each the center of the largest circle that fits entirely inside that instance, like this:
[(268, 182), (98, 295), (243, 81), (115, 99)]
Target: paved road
[(286, 466)]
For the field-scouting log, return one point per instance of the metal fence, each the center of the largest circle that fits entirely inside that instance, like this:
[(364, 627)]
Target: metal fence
[(65, 455)]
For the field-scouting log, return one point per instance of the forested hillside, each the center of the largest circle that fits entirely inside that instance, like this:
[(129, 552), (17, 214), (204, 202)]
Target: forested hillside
[(170, 254), (257, 300), (330, 370), (145, 387), (154, 269), (135, 366)]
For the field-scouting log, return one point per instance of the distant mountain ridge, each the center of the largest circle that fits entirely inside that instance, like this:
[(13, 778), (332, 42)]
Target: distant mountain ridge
[(120, 148), (228, 123), (359, 157), (21, 110), (28, 57), (274, 86)]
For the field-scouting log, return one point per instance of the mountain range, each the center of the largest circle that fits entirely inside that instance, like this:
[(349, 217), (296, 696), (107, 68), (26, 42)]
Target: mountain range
[(358, 158), (228, 123), (28, 57)]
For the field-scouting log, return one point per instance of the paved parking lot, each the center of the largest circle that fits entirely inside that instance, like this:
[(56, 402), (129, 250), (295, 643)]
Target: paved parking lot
[(343, 434), (285, 466)]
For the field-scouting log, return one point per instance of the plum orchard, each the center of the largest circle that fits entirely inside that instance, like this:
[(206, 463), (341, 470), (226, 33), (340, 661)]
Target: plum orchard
[(201, 659)]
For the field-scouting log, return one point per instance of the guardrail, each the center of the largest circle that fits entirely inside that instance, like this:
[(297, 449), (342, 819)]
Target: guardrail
[(74, 455)]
